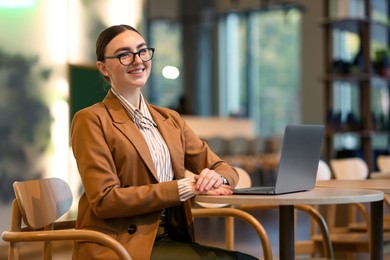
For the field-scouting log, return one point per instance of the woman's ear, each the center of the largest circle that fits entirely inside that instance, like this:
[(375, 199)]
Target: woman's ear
[(102, 68)]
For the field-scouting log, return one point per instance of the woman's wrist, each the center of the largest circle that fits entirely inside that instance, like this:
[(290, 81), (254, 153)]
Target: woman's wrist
[(224, 180), (185, 189)]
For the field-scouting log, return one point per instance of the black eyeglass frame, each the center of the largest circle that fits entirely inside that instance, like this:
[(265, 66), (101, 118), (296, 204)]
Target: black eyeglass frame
[(119, 56)]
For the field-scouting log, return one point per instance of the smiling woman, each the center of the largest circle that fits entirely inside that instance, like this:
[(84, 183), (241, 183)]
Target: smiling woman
[(123, 148)]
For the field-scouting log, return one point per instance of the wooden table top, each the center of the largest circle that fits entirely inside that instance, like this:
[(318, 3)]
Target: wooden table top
[(374, 184), (317, 196)]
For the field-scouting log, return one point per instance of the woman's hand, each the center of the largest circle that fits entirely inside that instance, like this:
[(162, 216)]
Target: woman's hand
[(210, 182), (222, 190)]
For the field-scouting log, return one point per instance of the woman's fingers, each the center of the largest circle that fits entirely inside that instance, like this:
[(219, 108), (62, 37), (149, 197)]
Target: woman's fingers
[(207, 179)]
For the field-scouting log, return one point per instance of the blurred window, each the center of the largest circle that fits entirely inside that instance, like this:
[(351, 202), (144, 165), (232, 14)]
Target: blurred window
[(263, 70), (258, 72), (165, 86)]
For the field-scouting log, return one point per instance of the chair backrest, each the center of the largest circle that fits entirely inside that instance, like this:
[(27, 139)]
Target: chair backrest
[(218, 144), (41, 202), (383, 162), (349, 168), (238, 145), (323, 172), (244, 180), (257, 145)]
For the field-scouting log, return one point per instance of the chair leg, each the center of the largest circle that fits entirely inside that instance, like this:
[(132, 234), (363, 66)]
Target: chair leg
[(16, 222), (47, 245), (47, 252), (229, 229), (13, 251)]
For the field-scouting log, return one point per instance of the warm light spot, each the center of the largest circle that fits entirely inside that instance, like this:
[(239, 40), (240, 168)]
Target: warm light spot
[(57, 49), (17, 3), (170, 72)]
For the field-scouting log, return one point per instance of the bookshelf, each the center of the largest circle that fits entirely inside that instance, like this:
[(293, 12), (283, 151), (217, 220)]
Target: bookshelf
[(356, 79)]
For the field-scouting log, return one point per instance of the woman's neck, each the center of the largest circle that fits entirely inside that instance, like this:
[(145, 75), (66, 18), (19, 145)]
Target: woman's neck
[(132, 96)]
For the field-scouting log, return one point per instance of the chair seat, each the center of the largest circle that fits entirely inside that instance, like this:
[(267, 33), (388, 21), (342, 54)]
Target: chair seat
[(351, 241), (361, 227), (380, 175)]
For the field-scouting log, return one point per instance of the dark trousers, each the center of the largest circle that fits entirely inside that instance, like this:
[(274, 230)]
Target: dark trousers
[(167, 249)]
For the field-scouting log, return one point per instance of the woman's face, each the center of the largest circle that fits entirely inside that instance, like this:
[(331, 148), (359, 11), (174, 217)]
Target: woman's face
[(125, 78)]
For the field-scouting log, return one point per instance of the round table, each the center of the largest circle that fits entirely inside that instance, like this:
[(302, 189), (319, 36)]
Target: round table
[(317, 196)]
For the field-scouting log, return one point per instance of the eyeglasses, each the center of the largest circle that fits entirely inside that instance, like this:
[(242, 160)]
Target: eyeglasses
[(128, 57)]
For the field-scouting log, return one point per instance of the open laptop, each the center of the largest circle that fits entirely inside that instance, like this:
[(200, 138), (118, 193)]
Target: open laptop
[(299, 158)]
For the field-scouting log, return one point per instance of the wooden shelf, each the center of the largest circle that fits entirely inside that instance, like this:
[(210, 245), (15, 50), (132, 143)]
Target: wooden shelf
[(362, 133), (347, 77), (365, 79), (345, 24)]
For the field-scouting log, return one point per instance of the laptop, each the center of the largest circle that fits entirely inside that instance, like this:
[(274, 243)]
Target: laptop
[(299, 158)]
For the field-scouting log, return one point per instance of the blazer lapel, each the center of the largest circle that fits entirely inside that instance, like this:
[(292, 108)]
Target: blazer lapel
[(122, 121), (171, 135)]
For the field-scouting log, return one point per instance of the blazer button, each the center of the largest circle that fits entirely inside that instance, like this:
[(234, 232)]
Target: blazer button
[(132, 229)]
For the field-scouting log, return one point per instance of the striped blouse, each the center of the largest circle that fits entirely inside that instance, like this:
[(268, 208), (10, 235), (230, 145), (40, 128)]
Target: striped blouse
[(157, 146)]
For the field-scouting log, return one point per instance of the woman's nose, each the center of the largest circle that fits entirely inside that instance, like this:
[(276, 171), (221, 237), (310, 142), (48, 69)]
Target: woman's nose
[(137, 59)]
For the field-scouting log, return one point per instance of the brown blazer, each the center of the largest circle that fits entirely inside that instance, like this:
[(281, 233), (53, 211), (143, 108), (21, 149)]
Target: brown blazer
[(122, 195)]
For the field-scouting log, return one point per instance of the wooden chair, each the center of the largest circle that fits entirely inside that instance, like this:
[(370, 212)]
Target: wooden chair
[(353, 236), (383, 163), (353, 168), (40, 204), (245, 182), (349, 168), (320, 237), (324, 172), (206, 210), (238, 149), (218, 144), (320, 241)]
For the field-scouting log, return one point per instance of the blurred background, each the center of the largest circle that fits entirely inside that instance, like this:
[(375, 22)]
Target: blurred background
[(257, 63)]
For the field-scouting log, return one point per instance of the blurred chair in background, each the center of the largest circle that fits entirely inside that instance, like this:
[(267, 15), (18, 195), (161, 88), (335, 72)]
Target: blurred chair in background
[(318, 227), (383, 163), (238, 152), (218, 144), (353, 168), (354, 236), (324, 172)]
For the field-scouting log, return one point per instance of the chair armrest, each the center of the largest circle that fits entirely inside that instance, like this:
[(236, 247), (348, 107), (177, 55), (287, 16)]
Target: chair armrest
[(242, 215), (386, 198), (314, 213), (55, 235), (327, 244)]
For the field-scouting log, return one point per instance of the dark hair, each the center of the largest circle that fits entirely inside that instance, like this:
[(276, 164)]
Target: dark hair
[(107, 35)]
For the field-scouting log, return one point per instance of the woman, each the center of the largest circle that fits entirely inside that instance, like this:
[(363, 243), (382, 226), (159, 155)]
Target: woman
[(132, 156)]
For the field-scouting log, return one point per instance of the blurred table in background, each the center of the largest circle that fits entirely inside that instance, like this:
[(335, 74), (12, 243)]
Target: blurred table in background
[(235, 141)]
